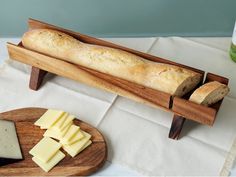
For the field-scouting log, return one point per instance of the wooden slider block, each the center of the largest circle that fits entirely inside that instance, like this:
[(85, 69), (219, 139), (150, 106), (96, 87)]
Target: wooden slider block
[(194, 111)]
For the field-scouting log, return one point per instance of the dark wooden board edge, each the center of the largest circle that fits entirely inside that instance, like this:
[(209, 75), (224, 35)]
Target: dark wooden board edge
[(193, 111)]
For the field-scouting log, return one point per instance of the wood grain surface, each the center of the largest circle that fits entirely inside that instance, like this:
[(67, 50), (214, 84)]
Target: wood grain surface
[(85, 163)]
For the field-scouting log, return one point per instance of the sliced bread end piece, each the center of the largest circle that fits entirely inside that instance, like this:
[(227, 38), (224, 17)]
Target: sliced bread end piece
[(209, 93)]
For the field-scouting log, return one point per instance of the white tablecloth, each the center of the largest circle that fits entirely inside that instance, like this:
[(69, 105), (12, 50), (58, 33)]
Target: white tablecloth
[(137, 134)]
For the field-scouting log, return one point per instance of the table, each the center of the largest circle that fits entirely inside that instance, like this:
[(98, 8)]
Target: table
[(142, 44)]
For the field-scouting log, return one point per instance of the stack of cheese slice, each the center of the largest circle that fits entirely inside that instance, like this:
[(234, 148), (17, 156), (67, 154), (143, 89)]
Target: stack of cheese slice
[(71, 138), (47, 154)]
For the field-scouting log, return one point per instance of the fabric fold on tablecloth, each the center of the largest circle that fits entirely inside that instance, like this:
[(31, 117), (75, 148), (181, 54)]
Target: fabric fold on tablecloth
[(144, 146), (137, 135), (15, 93)]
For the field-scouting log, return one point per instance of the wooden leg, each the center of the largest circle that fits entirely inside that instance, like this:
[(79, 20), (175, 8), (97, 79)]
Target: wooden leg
[(36, 78), (176, 127)]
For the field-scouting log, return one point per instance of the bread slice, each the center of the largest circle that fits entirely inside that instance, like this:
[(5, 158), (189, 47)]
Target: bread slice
[(163, 77), (209, 93)]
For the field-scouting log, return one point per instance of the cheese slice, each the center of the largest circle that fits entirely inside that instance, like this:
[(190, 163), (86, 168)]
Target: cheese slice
[(77, 147), (53, 134), (56, 134), (68, 121), (65, 130), (45, 149), (49, 118), (78, 136), (85, 146), (69, 134), (51, 163), (60, 122), (10, 151)]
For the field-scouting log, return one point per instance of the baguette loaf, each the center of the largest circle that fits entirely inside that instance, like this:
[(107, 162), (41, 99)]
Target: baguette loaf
[(209, 93), (163, 77)]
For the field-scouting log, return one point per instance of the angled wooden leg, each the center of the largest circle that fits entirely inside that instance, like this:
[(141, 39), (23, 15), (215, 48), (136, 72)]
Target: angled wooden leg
[(176, 127), (36, 78)]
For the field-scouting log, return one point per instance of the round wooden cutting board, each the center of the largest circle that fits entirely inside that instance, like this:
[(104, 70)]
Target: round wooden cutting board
[(85, 163)]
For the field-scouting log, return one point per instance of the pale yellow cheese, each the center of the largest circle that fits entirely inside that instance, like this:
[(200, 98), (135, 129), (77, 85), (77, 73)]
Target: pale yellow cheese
[(51, 163), (77, 147), (53, 134), (45, 149), (64, 131), (60, 122), (69, 134), (49, 118), (78, 136), (69, 120), (85, 146), (57, 134)]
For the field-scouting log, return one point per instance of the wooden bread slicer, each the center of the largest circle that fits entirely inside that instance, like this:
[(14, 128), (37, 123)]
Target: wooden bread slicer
[(181, 107)]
